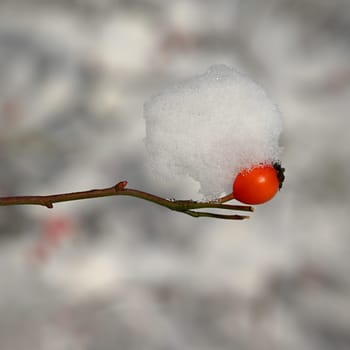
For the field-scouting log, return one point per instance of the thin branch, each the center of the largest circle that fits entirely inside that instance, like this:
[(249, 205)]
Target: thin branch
[(198, 214), (185, 206)]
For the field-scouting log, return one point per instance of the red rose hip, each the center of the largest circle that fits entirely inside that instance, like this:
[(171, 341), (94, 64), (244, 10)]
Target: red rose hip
[(256, 185)]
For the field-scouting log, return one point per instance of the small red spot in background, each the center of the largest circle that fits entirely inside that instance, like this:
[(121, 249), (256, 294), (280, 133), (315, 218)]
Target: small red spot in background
[(54, 231)]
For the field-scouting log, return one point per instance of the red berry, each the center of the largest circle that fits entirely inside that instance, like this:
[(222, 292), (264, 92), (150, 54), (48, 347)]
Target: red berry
[(256, 185)]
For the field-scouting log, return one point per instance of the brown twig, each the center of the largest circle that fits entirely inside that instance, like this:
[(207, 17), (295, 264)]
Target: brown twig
[(185, 206)]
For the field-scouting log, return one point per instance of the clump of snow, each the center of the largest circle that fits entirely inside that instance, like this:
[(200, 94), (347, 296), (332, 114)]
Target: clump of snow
[(210, 127)]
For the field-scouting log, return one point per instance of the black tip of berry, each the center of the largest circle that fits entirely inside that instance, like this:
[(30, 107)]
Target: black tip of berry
[(280, 173)]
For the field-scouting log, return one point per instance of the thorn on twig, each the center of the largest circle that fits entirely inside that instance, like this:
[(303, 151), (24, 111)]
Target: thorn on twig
[(120, 185), (48, 205)]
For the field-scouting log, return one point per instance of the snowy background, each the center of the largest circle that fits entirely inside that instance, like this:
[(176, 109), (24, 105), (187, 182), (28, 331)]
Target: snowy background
[(120, 273)]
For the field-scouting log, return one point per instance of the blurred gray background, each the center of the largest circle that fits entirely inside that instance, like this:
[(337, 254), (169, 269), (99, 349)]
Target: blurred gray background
[(119, 273)]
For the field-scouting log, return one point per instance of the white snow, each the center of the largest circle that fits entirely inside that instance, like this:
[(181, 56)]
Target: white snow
[(210, 127)]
